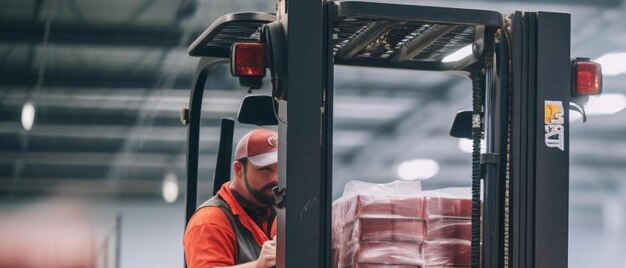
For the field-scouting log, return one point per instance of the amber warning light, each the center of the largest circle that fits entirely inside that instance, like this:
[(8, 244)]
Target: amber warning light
[(587, 77), (247, 60)]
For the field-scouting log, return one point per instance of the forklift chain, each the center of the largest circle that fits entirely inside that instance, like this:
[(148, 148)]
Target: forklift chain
[(477, 76), (505, 35)]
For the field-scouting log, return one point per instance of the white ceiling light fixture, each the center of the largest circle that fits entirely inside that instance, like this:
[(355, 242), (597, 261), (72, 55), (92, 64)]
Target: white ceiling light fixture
[(417, 169), (466, 145), (459, 54), (28, 115), (605, 104), (613, 63), (170, 187)]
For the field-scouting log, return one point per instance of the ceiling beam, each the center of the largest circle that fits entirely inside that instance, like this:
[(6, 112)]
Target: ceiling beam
[(91, 187), (75, 80), (121, 159), (344, 86), (18, 142), (111, 173), (142, 133), (163, 37), (56, 116)]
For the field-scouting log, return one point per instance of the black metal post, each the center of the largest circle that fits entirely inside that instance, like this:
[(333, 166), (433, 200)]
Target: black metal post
[(303, 225), (193, 133), (224, 154), (489, 160), (552, 163), (501, 140), (539, 140), (519, 141)]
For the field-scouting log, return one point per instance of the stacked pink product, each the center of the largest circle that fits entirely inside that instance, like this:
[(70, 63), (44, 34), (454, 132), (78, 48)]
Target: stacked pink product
[(428, 229)]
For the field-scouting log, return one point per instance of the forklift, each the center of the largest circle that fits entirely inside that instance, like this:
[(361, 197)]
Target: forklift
[(524, 83)]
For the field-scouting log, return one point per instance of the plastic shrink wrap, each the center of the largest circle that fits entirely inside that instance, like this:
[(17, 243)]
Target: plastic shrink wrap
[(399, 225)]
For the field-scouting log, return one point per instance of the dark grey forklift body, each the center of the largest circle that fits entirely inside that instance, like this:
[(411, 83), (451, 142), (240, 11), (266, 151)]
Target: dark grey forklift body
[(521, 62)]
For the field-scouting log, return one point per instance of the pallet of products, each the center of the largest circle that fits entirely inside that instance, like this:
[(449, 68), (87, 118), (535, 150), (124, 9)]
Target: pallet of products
[(399, 225)]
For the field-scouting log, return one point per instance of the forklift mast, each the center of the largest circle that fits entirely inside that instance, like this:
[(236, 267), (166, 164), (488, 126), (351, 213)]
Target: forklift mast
[(522, 88), (539, 166)]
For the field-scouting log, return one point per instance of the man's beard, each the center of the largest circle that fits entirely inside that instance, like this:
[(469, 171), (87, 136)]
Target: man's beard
[(260, 194)]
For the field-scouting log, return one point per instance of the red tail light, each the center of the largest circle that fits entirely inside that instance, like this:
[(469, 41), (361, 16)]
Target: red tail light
[(587, 77), (247, 60)]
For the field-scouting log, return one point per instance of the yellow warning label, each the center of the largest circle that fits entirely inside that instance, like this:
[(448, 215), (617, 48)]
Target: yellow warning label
[(554, 120), (554, 113)]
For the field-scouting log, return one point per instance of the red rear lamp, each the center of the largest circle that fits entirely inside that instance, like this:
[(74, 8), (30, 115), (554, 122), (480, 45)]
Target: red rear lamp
[(247, 60), (587, 77)]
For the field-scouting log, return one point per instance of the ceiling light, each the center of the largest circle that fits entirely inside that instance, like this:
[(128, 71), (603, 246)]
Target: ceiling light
[(466, 145), (28, 115), (613, 64), (170, 187), (605, 104), (417, 169), (459, 54)]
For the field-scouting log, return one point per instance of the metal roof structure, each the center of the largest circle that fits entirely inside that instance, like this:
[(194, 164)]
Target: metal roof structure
[(108, 80)]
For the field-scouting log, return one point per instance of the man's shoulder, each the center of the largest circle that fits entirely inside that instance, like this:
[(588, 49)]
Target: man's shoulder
[(208, 217), (209, 241)]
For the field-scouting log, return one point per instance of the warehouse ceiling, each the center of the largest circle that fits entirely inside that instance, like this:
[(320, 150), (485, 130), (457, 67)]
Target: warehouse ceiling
[(108, 79)]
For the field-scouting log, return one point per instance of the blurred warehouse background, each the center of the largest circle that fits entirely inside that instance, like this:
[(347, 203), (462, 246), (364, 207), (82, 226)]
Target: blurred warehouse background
[(90, 136)]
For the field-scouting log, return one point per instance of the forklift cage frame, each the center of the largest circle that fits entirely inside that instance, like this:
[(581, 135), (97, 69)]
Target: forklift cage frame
[(526, 187)]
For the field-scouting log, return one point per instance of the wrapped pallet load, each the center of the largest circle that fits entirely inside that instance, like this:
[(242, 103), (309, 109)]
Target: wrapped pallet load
[(399, 225)]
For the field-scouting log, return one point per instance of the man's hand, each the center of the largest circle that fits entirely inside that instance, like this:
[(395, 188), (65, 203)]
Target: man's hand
[(267, 258)]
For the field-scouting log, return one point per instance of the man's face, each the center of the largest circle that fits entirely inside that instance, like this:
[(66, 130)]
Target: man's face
[(260, 181)]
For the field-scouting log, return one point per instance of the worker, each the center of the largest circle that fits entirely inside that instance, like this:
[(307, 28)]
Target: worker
[(237, 226)]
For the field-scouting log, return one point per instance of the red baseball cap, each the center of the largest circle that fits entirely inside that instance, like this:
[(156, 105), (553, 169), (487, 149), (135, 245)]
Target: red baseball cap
[(260, 146)]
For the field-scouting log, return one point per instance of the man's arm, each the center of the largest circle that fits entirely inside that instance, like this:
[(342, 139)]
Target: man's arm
[(251, 264)]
